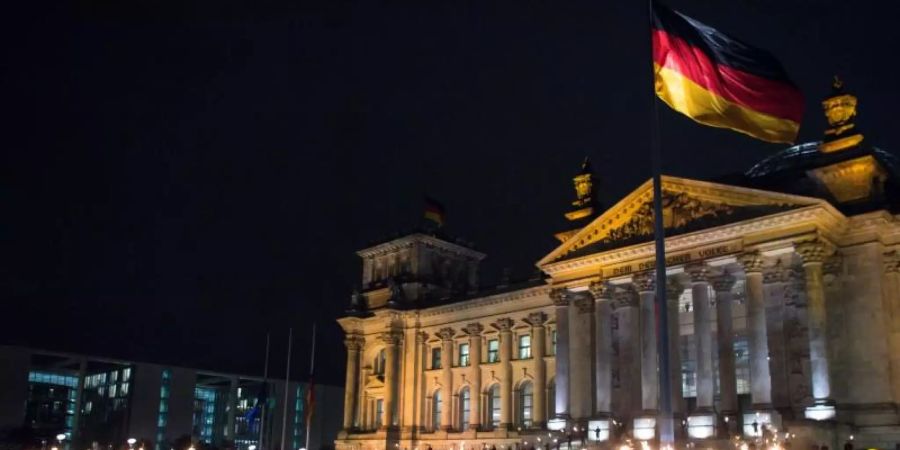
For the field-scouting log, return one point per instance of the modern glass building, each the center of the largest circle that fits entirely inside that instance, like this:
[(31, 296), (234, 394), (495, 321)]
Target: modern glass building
[(101, 403)]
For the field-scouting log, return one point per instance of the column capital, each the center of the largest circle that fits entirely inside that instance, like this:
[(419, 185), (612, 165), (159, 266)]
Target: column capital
[(698, 272), (473, 329), (601, 290), (504, 324), (626, 297), (892, 261), (354, 342), (775, 274), (584, 304), (445, 334), (421, 337), (833, 264), (813, 251), (644, 282), (390, 337), (752, 261), (536, 319), (723, 283), (674, 289), (560, 296)]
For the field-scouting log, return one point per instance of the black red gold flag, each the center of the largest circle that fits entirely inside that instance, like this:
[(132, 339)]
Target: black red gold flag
[(720, 81), (434, 211)]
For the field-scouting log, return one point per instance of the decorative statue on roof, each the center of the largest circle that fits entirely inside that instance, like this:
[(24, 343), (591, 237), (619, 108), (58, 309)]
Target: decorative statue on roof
[(357, 302), (840, 110), (584, 186), (396, 292)]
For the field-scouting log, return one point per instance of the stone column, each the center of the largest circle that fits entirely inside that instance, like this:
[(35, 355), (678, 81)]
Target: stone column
[(674, 289), (364, 421), (891, 295), (702, 335), (422, 391), (646, 288), (539, 350), (561, 303), (813, 254), (446, 335), (505, 326), (603, 348), (350, 395), (581, 344), (391, 340), (758, 343), (474, 331), (626, 304), (725, 334)]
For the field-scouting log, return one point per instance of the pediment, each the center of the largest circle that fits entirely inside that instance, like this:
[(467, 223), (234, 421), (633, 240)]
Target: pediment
[(688, 206)]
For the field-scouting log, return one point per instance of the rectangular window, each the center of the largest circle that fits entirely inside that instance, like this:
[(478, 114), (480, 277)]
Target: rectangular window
[(525, 346), (379, 411), (436, 358), (463, 355), (493, 350)]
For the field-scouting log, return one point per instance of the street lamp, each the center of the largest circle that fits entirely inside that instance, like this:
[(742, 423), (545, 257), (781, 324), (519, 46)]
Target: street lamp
[(252, 447), (131, 442)]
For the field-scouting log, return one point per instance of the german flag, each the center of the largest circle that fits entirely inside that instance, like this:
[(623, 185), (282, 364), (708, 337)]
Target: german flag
[(434, 211), (720, 81)]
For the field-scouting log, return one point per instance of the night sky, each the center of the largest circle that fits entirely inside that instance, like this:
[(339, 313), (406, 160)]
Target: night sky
[(179, 179)]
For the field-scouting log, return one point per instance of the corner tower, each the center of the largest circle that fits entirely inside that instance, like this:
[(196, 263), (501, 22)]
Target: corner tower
[(415, 271)]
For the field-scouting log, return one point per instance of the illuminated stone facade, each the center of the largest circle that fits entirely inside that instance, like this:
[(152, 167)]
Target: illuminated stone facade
[(784, 309)]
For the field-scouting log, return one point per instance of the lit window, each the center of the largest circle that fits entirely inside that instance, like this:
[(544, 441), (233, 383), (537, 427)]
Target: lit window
[(126, 374), (124, 390), (525, 346), (379, 363), (493, 350), (525, 405), (379, 412), (494, 407), (463, 355), (436, 358), (464, 405), (436, 410)]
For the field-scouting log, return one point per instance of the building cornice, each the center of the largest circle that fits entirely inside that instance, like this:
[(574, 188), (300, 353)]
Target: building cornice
[(412, 239), (822, 217)]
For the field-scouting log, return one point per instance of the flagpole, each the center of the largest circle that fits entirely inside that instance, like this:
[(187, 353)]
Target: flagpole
[(312, 365), (262, 416), (287, 383), (666, 425)]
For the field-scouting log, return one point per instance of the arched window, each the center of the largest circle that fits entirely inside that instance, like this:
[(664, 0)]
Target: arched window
[(464, 408), (526, 395), (379, 363), (436, 411), (493, 408)]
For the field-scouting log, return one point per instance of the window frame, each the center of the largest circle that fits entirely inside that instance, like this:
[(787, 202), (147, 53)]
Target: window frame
[(436, 354), (524, 351), (463, 357), (493, 354)]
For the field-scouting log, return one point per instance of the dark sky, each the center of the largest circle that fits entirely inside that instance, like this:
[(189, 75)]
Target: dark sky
[(180, 179)]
